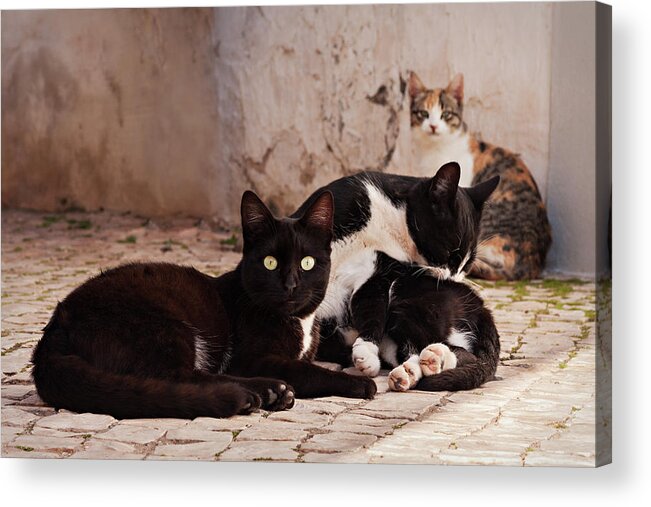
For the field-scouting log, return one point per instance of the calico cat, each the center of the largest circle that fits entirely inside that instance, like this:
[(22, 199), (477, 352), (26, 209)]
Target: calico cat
[(515, 232), (436, 334), (428, 221), (161, 340)]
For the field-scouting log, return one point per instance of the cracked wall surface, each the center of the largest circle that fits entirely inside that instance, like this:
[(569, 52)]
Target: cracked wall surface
[(178, 111), (161, 111)]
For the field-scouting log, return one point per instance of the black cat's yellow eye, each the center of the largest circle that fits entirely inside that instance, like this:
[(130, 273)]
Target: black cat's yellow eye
[(270, 262), (307, 262)]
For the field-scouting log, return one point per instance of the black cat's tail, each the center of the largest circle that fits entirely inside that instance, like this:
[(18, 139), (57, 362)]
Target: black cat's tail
[(472, 370), (68, 381)]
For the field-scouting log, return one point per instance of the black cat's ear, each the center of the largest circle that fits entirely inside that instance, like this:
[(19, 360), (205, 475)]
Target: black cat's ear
[(443, 186), (320, 214), (255, 215), (455, 88), (415, 85), (480, 193)]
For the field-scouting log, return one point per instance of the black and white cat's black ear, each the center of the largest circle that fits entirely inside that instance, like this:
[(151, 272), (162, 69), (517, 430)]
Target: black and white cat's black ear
[(255, 214), (480, 193), (455, 88), (320, 214), (443, 186), (414, 85)]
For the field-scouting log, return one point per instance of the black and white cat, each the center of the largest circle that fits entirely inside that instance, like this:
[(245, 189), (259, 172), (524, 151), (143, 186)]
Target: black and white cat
[(427, 221), (161, 340), (436, 334)]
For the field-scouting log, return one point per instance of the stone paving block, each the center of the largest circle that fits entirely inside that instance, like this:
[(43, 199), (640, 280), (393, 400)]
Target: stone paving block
[(378, 431), (340, 400), (16, 392), (198, 451), (407, 402), (16, 417), (273, 430), (50, 444), (451, 425), (515, 431), (194, 433), (337, 442), (94, 449), (307, 419), (367, 420), (235, 423), (405, 457), (479, 442), (24, 377), (15, 361), (157, 424), (77, 422), (387, 414), (260, 451), (31, 400), (47, 432), (553, 459), (471, 457), (340, 457), (17, 452), (317, 406), (130, 433), (563, 445), (8, 433)]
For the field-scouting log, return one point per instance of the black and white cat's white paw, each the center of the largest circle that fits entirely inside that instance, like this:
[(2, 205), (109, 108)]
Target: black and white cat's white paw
[(405, 376), (435, 358), (366, 357)]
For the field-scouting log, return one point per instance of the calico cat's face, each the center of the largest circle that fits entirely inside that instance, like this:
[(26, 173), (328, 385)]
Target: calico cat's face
[(286, 262), (443, 220), (436, 113)]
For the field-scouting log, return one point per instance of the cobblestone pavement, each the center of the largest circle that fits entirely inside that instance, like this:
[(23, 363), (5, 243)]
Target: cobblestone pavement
[(540, 411)]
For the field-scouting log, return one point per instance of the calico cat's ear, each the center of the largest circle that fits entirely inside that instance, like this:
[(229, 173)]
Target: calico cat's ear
[(443, 186), (480, 193), (455, 88), (255, 215), (320, 215), (415, 85)]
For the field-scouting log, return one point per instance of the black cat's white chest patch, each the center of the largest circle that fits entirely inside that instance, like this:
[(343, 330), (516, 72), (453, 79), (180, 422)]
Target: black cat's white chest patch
[(202, 360), (307, 334)]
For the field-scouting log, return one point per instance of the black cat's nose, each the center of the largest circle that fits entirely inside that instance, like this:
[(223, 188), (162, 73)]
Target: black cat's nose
[(291, 283)]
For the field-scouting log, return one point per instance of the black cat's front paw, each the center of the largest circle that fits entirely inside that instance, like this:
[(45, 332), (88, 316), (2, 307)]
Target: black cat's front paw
[(363, 387), (249, 402), (275, 394)]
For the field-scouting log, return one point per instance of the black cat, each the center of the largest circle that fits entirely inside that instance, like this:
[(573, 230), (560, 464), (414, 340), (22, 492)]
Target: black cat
[(428, 221), (437, 334), (158, 340)]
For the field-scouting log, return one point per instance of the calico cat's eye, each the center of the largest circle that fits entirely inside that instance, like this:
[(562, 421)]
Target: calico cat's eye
[(447, 115), (307, 262), (270, 262), (422, 114)]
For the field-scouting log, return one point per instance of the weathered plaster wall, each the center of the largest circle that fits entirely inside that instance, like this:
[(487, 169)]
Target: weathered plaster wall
[(295, 85), (163, 111), (109, 108)]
